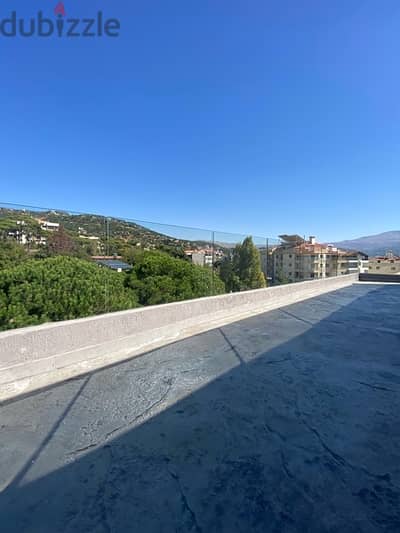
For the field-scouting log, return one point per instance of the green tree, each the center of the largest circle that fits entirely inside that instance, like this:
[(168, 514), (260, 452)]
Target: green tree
[(60, 288), (11, 254), (159, 278), (242, 271), (229, 275)]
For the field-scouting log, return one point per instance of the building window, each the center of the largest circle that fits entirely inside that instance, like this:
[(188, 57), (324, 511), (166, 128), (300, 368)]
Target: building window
[(379, 260), (393, 268), (377, 268), (290, 256)]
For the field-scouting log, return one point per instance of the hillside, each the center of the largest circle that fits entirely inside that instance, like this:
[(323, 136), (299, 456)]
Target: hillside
[(374, 244), (83, 227)]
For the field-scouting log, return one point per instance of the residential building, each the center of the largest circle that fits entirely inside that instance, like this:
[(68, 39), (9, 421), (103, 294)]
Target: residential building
[(48, 226), (363, 265), (204, 256), (387, 264), (23, 235), (197, 258), (297, 259), (89, 237)]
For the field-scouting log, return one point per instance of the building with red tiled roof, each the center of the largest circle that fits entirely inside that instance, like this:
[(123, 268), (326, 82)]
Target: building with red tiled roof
[(298, 259)]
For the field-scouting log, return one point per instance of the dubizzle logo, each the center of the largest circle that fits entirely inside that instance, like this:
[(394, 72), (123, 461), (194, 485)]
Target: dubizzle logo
[(40, 26)]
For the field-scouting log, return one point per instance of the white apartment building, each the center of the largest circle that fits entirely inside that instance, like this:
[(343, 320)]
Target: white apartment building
[(48, 226)]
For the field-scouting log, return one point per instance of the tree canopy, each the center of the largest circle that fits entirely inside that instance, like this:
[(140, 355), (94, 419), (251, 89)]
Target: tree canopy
[(242, 270), (159, 278), (59, 288), (47, 284), (11, 254), (62, 287)]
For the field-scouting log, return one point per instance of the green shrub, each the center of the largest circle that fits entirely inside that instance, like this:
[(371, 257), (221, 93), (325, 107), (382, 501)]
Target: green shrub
[(59, 288), (11, 254), (159, 278)]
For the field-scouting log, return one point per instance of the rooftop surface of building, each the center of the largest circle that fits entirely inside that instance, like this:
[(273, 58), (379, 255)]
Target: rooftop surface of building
[(284, 422), (114, 264)]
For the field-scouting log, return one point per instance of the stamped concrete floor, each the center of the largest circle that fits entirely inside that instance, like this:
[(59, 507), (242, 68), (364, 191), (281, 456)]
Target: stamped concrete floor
[(285, 422)]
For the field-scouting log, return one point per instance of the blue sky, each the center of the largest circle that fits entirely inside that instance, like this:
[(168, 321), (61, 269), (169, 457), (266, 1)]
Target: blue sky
[(256, 116)]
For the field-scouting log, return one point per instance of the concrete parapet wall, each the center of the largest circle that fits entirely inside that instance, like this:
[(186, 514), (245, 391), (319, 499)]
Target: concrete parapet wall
[(34, 357)]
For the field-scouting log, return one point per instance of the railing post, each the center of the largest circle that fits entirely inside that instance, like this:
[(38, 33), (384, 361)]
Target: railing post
[(107, 228), (212, 264)]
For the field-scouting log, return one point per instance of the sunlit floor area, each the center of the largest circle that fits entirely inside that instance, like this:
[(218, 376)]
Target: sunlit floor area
[(288, 421)]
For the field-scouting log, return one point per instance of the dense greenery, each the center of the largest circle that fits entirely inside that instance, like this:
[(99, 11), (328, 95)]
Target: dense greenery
[(159, 278), (242, 269), (59, 288), (11, 254)]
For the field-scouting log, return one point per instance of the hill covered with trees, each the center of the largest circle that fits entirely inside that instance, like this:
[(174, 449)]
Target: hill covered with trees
[(89, 234)]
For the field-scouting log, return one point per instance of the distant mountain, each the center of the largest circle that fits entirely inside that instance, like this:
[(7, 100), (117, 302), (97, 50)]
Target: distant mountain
[(374, 244)]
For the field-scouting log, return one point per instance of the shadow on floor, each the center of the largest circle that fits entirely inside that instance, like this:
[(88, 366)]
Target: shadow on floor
[(303, 437)]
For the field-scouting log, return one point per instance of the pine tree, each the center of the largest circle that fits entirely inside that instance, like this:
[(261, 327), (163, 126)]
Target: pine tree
[(247, 264), (242, 271)]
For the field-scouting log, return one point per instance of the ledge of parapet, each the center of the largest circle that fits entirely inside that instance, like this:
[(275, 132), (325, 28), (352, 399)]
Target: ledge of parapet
[(346, 279), (38, 356)]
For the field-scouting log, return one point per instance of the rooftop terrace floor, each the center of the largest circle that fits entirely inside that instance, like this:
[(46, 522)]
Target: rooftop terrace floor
[(288, 421)]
